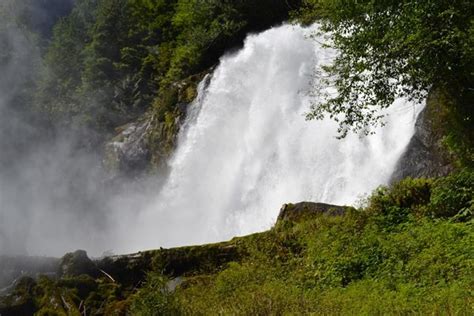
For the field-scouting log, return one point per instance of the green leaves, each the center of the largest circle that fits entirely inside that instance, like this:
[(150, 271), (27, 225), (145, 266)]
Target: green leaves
[(154, 298), (391, 49), (110, 60), (454, 195)]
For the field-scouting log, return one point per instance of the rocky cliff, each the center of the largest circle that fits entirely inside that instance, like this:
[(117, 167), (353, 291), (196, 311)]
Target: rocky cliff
[(426, 155)]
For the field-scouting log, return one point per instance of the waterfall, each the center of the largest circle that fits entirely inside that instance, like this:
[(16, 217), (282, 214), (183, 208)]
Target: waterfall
[(246, 148)]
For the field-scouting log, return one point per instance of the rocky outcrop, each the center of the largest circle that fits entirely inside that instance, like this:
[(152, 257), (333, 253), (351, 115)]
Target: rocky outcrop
[(75, 264), (149, 141), (131, 269), (304, 210), (425, 155), (128, 151), (196, 260)]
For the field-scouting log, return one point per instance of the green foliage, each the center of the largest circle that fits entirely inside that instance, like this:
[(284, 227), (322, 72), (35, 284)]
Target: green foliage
[(347, 269), (63, 65), (454, 195), (390, 49), (153, 298), (369, 262), (394, 205), (109, 60)]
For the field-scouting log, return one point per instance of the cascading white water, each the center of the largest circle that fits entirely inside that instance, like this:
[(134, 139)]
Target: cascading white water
[(247, 149)]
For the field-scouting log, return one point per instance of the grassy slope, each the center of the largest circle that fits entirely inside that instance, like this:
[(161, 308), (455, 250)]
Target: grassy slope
[(410, 250), (394, 257)]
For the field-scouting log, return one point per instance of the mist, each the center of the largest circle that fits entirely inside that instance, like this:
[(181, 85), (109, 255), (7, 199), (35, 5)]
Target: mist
[(51, 192)]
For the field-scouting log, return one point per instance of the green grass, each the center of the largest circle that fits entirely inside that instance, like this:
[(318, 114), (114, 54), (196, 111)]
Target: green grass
[(371, 261)]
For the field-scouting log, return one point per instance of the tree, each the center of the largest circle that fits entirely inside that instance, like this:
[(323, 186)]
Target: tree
[(389, 49)]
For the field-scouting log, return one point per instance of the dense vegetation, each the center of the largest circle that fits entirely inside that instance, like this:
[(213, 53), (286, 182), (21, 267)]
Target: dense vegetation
[(110, 60), (390, 49), (408, 250)]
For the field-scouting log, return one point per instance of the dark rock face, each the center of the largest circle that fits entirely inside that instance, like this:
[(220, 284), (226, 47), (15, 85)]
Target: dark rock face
[(127, 270), (424, 155), (146, 143), (300, 211), (128, 151), (175, 262), (198, 259), (77, 263)]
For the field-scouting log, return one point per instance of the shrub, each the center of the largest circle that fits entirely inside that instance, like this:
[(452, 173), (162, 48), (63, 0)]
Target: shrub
[(393, 205), (154, 298), (453, 195)]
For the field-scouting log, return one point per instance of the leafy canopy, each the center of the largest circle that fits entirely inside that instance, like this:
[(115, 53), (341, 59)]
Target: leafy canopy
[(389, 49), (110, 60)]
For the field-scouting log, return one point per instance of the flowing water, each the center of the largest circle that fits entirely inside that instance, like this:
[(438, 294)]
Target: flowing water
[(246, 148)]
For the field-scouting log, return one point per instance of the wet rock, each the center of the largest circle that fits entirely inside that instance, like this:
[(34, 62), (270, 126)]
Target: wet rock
[(77, 263), (300, 211), (425, 155), (185, 261), (129, 151), (174, 262), (172, 284), (127, 270), (149, 141)]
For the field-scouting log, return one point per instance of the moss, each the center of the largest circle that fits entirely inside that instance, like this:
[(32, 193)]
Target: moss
[(169, 110), (304, 210), (82, 285), (189, 94), (196, 260), (66, 296), (53, 300)]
